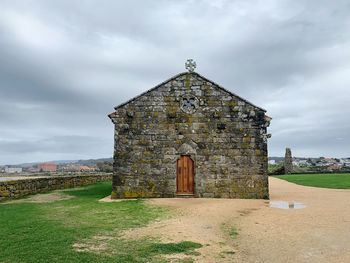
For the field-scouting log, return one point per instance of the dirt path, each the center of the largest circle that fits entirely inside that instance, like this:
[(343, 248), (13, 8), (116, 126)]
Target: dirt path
[(41, 198), (318, 233), (56, 195)]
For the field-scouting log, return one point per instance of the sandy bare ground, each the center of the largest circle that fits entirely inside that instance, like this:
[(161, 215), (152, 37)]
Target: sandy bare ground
[(41, 198), (318, 233), (52, 196)]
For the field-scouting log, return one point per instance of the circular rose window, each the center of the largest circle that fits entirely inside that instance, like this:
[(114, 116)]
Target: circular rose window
[(189, 104)]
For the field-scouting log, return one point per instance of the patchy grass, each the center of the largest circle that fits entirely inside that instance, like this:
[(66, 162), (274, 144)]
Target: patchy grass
[(229, 252), (224, 254), (229, 229), (233, 232), (60, 231), (141, 250), (337, 181), (174, 248)]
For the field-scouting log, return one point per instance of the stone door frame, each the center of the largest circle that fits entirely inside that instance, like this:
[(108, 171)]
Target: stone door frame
[(189, 149), (189, 174)]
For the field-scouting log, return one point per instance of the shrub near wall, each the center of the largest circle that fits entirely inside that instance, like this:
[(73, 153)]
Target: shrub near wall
[(22, 187)]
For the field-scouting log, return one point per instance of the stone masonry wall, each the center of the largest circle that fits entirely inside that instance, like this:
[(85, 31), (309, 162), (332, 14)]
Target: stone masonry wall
[(22, 187), (224, 135)]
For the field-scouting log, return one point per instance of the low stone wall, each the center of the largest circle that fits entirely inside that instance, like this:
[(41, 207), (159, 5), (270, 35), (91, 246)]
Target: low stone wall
[(22, 187)]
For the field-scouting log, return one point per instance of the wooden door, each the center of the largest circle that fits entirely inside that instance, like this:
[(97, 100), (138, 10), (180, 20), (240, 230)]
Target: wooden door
[(185, 176)]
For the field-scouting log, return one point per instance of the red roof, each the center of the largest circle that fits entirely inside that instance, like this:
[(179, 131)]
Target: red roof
[(334, 167), (328, 159), (47, 164)]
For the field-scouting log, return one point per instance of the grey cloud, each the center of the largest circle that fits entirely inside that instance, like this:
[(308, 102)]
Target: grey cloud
[(67, 64), (79, 146)]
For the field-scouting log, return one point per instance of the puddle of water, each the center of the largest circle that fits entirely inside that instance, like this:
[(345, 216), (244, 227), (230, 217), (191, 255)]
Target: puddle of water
[(286, 205)]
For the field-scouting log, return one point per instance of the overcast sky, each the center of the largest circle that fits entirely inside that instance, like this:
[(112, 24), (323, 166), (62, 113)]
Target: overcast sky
[(65, 64)]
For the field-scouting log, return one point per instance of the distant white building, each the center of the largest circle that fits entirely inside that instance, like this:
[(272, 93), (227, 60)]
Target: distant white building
[(322, 164), (299, 162), (272, 162), (345, 162), (295, 163), (12, 170)]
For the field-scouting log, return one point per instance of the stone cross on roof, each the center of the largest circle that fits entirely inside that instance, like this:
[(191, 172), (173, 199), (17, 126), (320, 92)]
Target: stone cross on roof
[(190, 65)]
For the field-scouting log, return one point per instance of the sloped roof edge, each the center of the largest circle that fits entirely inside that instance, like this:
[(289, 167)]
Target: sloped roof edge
[(181, 74)]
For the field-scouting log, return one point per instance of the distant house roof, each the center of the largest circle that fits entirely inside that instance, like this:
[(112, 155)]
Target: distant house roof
[(47, 164), (179, 75), (328, 159), (334, 167)]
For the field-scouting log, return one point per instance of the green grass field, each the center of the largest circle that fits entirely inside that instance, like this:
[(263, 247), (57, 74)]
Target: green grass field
[(337, 181), (82, 229)]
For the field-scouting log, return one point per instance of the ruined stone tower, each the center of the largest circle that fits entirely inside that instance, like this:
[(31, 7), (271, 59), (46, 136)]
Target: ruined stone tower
[(288, 162)]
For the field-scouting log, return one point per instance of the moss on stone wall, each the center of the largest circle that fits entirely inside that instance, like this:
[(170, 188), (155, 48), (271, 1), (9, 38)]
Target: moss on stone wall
[(22, 187), (224, 132)]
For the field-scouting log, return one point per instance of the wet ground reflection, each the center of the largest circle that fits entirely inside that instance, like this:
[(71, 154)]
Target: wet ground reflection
[(286, 205)]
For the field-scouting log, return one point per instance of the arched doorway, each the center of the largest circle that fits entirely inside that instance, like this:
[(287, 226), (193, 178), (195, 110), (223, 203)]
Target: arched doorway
[(185, 176)]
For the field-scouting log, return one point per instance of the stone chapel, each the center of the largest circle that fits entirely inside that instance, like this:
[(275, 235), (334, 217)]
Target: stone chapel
[(188, 136)]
